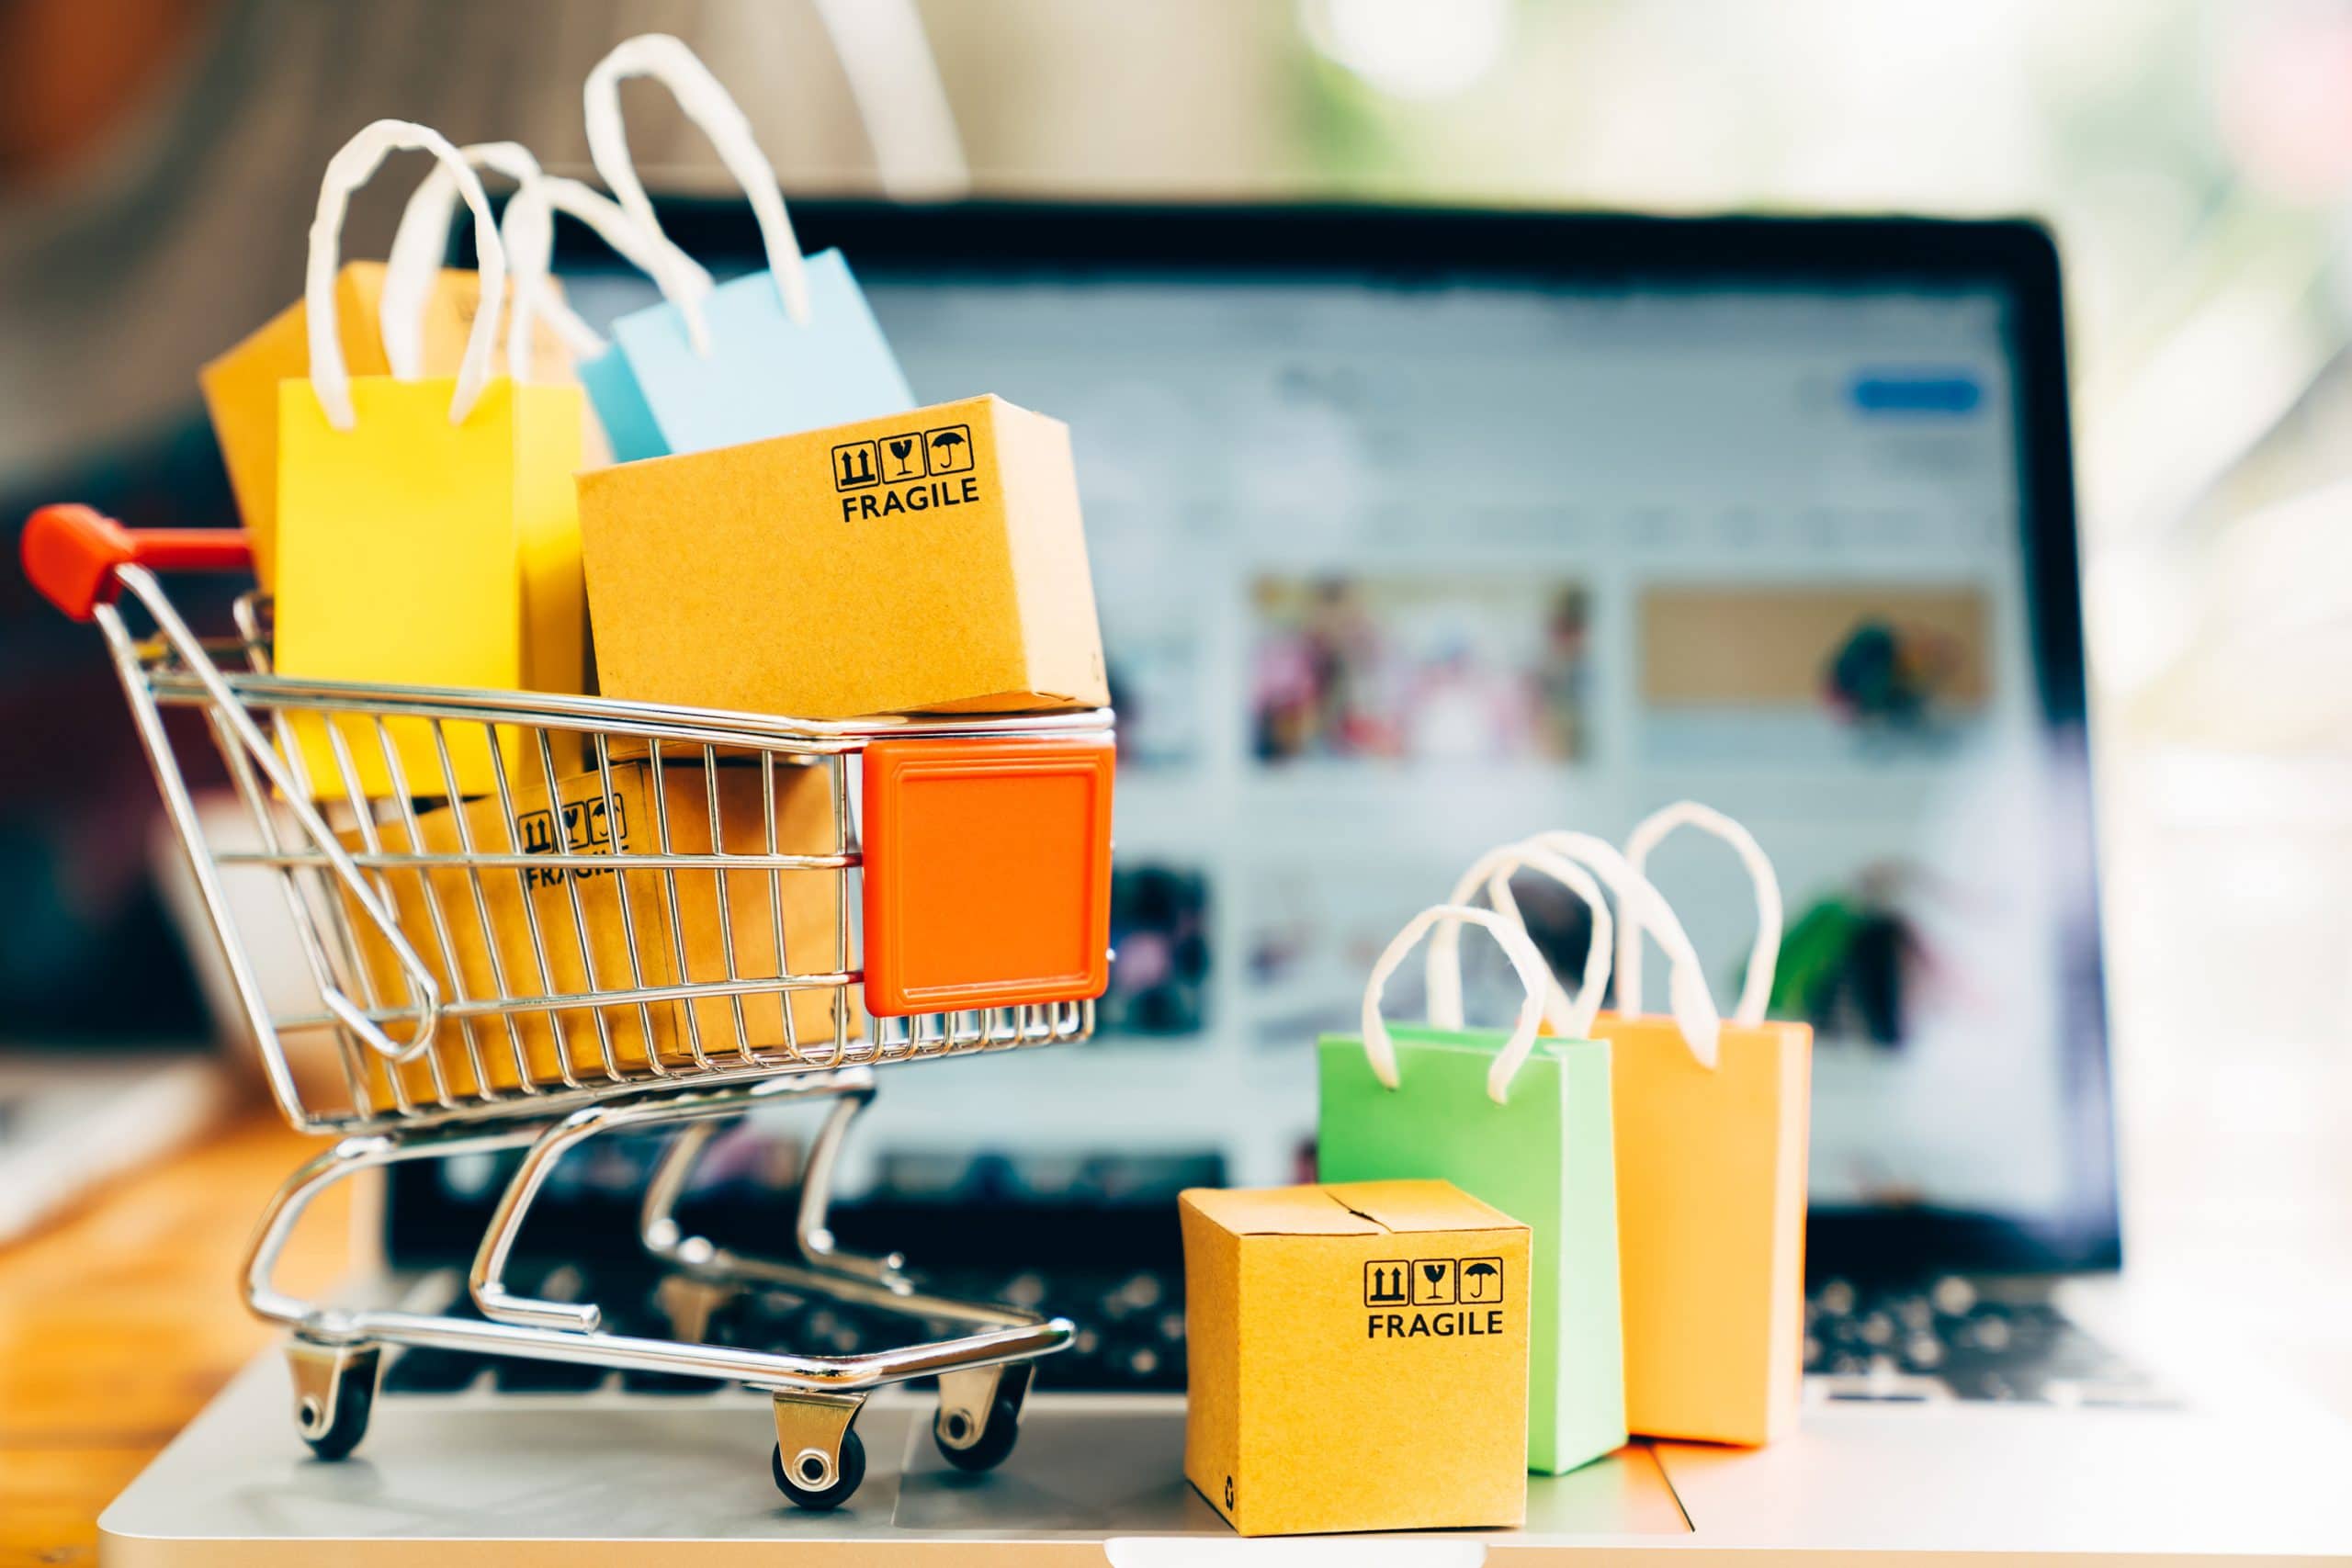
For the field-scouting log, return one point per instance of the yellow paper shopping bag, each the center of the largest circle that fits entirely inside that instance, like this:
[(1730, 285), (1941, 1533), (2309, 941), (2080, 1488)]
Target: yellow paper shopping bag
[(405, 316), (241, 386), (427, 530), (1712, 1117)]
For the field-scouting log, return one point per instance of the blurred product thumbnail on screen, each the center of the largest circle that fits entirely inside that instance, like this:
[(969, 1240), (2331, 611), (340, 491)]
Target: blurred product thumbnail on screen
[(1803, 674), (1419, 668), (1159, 928)]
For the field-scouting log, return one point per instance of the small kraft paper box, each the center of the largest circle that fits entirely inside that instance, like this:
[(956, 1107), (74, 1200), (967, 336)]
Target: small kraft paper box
[(438, 914), (932, 561), (1358, 1357)]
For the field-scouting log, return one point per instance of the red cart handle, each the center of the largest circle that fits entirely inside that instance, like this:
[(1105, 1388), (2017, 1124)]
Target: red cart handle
[(70, 553)]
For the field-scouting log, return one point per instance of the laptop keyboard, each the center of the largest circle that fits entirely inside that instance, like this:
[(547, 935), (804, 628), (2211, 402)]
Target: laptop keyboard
[(1946, 1340), (1941, 1341), (1130, 1336)]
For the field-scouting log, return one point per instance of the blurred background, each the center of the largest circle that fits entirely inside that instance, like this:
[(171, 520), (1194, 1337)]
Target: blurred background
[(158, 158)]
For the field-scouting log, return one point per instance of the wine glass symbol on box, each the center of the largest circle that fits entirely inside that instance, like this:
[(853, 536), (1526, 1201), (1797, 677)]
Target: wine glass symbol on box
[(903, 456)]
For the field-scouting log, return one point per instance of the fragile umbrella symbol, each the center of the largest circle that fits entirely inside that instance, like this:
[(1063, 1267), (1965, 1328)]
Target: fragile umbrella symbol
[(1477, 1273), (950, 440)]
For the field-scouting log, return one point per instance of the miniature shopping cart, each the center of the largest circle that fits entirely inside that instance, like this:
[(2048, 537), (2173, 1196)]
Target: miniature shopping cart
[(518, 920)]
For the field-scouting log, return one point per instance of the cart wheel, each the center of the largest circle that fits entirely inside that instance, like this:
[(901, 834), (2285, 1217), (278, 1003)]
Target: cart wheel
[(349, 1423), (851, 1471), (996, 1440), (334, 1389)]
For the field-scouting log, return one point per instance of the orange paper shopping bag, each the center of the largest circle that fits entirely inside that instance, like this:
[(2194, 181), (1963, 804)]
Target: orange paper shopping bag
[(1710, 1127), (427, 530), (1712, 1117)]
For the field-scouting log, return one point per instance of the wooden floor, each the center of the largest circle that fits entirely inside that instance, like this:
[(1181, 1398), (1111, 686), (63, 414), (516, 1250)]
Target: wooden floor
[(117, 1323)]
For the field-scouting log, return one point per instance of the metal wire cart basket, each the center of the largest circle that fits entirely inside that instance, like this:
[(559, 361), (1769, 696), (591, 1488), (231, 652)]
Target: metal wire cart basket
[(528, 919)]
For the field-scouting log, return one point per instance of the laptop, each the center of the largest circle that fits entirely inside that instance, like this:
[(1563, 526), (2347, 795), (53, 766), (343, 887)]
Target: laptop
[(1414, 531)]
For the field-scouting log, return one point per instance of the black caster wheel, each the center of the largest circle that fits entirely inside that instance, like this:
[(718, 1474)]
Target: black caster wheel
[(353, 1401), (851, 1470), (996, 1442)]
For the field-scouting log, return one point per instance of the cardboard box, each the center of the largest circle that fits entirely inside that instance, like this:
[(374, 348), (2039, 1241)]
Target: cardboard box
[(1357, 1357), (241, 386), (437, 913), (932, 561)]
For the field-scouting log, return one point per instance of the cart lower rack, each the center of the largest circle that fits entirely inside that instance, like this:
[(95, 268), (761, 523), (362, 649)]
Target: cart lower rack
[(511, 922)]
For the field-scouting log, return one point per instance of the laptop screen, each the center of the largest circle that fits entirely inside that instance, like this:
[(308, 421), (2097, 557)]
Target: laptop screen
[(1391, 572)]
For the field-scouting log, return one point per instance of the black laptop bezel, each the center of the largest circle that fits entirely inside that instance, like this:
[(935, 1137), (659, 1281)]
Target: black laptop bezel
[(2016, 258)]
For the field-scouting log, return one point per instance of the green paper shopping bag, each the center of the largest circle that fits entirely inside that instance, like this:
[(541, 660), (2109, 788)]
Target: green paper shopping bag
[(1519, 1121), (428, 533)]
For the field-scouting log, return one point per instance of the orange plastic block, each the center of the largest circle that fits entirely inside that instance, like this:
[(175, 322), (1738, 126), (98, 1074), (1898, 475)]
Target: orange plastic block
[(988, 873)]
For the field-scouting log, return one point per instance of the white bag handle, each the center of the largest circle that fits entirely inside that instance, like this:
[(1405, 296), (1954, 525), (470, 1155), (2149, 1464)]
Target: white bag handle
[(706, 104), (531, 235), (894, 81), (1764, 956), (410, 265), (1515, 945), (348, 171), (528, 232), (1441, 968), (1641, 908)]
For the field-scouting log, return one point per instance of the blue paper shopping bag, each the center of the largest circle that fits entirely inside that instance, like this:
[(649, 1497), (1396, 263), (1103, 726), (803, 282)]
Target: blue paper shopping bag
[(774, 353)]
